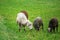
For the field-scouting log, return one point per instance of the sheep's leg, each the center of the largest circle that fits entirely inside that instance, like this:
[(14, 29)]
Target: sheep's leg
[(54, 29), (24, 28), (57, 29), (20, 25), (51, 30), (42, 27)]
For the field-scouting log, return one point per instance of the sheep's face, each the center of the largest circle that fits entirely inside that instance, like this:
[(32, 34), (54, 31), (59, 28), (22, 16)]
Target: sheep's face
[(37, 28), (49, 29), (29, 24)]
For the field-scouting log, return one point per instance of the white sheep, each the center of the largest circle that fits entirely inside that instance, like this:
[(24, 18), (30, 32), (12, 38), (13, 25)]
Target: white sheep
[(23, 21)]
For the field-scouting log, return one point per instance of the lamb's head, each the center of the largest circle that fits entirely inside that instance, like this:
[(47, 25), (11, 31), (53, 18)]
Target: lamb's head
[(29, 24), (49, 29)]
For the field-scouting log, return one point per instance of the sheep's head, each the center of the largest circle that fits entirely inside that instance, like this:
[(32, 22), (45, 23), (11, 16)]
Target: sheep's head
[(49, 29), (29, 24)]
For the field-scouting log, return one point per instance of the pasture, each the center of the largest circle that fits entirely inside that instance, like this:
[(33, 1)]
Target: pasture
[(46, 9)]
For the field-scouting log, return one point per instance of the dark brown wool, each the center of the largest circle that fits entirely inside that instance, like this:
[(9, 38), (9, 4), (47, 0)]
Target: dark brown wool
[(53, 25), (26, 14), (38, 23)]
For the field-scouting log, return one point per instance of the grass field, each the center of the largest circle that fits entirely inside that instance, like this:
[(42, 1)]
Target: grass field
[(46, 9)]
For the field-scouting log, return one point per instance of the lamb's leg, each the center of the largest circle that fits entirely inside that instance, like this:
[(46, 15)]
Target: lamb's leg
[(54, 29), (51, 30), (57, 29), (20, 25), (24, 28), (42, 26)]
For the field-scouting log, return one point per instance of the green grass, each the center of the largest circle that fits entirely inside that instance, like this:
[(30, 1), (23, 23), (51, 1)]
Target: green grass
[(46, 9)]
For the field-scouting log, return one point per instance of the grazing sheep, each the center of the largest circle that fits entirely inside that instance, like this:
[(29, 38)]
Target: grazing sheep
[(37, 23), (53, 25), (22, 20)]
